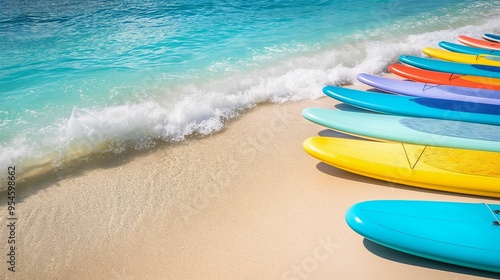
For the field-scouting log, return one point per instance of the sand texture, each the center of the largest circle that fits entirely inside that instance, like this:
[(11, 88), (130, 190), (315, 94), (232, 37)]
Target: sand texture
[(244, 203)]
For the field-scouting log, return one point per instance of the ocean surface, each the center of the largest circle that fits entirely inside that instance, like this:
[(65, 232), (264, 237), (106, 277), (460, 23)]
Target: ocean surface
[(80, 78)]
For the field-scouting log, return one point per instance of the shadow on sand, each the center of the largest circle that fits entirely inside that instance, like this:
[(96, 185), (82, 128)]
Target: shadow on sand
[(397, 256)]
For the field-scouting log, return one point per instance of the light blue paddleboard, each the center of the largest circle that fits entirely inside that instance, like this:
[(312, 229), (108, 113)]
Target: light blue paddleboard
[(418, 89), (459, 233), (420, 131), (417, 106), (466, 49), (491, 37), (451, 67)]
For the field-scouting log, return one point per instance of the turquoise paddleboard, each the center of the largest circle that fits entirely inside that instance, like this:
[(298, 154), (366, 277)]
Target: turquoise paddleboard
[(464, 234), (451, 67), (417, 106), (420, 131), (466, 49)]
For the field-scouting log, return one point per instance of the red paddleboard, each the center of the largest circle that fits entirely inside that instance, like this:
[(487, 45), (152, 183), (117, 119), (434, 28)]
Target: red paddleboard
[(441, 78), (479, 43)]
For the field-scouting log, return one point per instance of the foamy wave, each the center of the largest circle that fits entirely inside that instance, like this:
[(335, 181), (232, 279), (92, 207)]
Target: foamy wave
[(206, 108)]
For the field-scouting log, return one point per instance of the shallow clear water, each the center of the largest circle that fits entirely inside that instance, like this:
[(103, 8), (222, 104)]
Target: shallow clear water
[(82, 76)]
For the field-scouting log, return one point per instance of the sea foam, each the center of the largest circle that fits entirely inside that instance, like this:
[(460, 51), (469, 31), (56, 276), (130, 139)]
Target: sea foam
[(206, 107)]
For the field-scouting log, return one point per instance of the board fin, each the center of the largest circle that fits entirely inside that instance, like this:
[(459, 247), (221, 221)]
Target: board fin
[(496, 222), (454, 76), (413, 154), (427, 86)]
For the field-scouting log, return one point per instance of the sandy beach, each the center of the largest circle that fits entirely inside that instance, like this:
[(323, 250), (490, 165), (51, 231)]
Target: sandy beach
[(244, 203)]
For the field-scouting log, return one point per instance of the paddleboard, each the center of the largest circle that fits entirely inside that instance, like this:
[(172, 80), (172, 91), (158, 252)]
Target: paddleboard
[(483, 59), (418, 89), (441, 78), (491, 37), (451, 67), (417, 106), (469, 41), (419, 131), (444, 169), (459, 233), (466, 49)]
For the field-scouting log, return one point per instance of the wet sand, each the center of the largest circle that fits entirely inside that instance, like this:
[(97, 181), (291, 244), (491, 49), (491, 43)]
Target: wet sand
[(244, 203)]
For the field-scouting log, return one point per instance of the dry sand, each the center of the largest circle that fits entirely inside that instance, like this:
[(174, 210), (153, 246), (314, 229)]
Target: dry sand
[(245, 203)]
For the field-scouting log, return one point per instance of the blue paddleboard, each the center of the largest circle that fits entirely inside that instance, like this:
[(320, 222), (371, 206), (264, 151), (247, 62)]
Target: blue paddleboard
[(491, 37), (451, 67), (418, 89), (420, 131), (464, 234), (417, 106), (466, 49)]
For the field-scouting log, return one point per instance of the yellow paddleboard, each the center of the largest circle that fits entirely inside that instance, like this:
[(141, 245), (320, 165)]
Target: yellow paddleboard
[(484, 59), (445, 169)]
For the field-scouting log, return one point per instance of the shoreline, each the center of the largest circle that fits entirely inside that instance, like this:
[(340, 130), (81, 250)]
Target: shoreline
[(244, 203)]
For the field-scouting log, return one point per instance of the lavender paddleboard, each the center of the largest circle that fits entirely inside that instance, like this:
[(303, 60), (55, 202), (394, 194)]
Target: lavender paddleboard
[(418, 89)]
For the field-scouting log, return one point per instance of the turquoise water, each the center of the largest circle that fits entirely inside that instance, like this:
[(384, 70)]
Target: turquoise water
[(84, 76)]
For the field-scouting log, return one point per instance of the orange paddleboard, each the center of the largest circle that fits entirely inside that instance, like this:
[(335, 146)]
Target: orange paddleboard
[(479, 43), (440, 78)]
